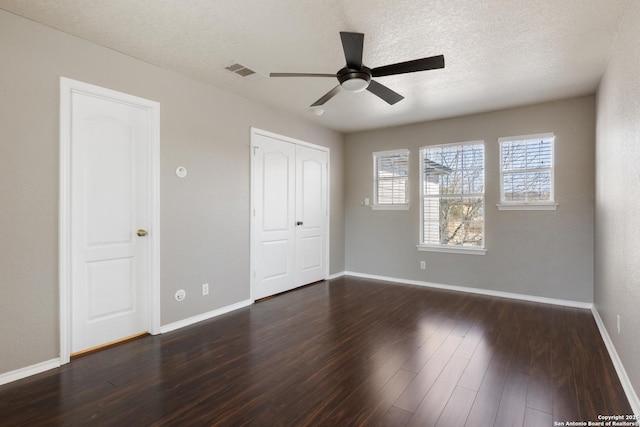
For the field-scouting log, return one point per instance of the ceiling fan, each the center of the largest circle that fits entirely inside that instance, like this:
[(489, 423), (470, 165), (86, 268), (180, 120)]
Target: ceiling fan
[(355, 77)]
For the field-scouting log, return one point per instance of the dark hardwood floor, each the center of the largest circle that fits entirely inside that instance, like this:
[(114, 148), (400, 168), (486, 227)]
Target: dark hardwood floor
[(349, 352)]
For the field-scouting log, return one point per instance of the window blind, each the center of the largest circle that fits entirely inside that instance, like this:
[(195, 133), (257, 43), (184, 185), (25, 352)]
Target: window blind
[(453, 195), (527, 169), (391, 177)]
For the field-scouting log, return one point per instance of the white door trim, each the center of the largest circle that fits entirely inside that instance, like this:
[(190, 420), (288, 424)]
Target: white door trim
[(252, 266), (67, 88)]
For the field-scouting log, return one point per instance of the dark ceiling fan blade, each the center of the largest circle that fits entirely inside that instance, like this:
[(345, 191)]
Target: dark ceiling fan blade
[(301, 75), (327, 96), (352, 44), (423, 64), (384, 92)]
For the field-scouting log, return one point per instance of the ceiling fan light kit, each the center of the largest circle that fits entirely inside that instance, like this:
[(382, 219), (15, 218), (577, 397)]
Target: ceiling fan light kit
[(355, 77), (354, 80)]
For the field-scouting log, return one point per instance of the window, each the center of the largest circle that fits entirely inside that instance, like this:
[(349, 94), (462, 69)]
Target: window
[(526, 172), (452, 197), (391, 179)]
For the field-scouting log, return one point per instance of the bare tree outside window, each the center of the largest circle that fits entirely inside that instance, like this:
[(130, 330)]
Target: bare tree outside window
[(527, 169), (453, 195)]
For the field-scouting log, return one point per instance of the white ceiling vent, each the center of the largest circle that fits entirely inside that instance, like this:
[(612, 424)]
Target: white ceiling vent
[(240, 69)]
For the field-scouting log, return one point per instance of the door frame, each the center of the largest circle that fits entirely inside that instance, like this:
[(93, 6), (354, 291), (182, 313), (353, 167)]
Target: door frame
[(67, 88), (252, 239)]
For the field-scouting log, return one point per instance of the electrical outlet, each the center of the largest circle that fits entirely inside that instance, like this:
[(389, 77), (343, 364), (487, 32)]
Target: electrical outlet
[(180, 295), (618, 316), (423, 265), (205, 289)]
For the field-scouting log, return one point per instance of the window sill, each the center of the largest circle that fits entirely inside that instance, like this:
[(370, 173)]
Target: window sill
[(467, 250), (527, 206), (390, 207)]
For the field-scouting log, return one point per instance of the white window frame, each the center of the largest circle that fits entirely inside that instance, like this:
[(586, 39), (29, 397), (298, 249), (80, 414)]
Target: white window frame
[(389, 206), (537, 205), (453, 249)]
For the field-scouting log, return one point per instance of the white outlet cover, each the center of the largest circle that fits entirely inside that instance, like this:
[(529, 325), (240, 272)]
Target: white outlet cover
[(181, 171), (180, 295)]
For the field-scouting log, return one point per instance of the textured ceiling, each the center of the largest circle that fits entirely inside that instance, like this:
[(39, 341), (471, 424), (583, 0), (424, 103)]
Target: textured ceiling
[(498, 53)]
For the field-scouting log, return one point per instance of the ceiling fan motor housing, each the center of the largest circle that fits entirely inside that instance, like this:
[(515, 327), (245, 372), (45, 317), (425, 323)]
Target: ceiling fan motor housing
[(354, 80)]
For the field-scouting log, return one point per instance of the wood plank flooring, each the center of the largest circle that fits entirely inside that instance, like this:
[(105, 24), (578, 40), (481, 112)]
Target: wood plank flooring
[(349, 352)]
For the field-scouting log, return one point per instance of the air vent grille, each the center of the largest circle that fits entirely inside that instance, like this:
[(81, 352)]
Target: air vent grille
[(240, 69)]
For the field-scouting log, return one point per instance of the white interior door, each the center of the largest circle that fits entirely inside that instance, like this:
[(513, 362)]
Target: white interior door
[(274, 192), (110, 216), (290, 214), (311, 214)]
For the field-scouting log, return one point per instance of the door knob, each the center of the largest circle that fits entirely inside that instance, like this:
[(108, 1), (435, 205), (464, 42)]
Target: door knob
[(299, 223), (142, 232)]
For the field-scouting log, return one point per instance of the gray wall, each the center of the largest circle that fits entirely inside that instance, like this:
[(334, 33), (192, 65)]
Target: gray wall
[(204, 218), (617, 202), (540, 253)]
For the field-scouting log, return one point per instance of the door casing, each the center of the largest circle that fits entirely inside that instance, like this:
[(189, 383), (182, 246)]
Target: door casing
[(67, 88)]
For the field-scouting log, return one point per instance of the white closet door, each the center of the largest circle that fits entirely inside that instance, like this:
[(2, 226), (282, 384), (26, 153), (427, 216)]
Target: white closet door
[(274, 222), (311, 214), (289, 187)]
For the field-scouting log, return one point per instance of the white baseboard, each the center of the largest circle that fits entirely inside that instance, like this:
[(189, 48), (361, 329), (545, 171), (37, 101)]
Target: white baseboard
[(479, 291), (27, 371), (204, 316), (336, 275), (617, 363)]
